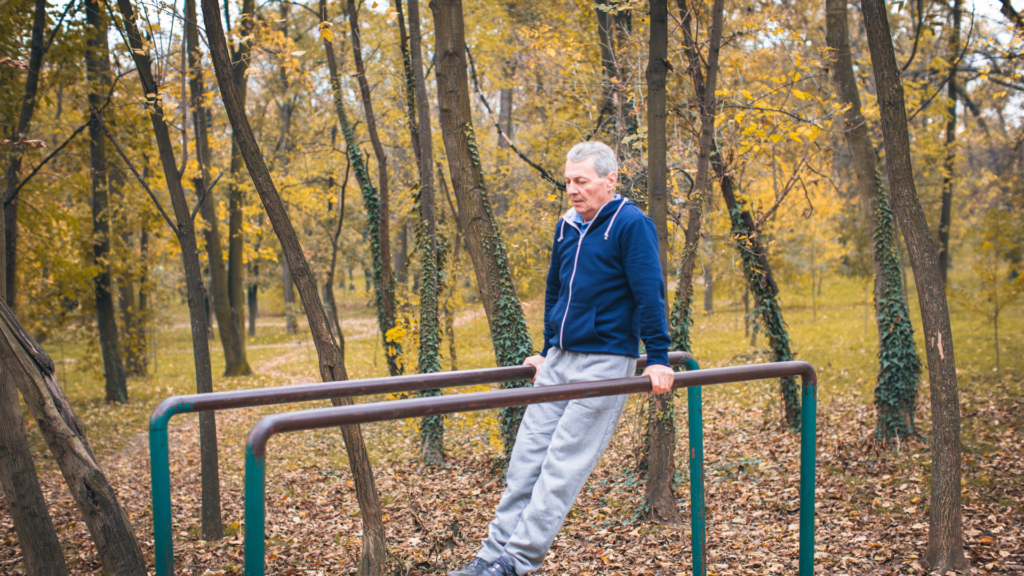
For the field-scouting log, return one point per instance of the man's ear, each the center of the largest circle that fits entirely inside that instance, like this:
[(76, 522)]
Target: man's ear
[(613, 178)]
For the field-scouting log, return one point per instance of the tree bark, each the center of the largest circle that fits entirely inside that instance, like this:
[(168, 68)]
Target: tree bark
[(681, 317), (9, 223), (661, 427), (291, 325), (504, 311), (331, 357), (945, 532), (231, 338), (29, 367), (890, 299), (387, 286), (98, 68), (855, 128), (186, 234), (449, 299), (132, 317), (329, 283), (236, 200), (40, 548), (613, 92), (946, 218), (431, 427)]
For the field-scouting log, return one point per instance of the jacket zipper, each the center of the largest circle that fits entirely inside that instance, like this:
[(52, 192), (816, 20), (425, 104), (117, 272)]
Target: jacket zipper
[(568, 301), (575, 261)]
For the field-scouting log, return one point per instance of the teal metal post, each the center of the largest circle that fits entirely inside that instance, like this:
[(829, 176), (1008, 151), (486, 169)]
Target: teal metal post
[(698, 526), (160, 472), (808, 432), (695, 421), (255, 513)]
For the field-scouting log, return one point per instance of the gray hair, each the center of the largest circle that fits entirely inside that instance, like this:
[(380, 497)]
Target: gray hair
[(601, 154)]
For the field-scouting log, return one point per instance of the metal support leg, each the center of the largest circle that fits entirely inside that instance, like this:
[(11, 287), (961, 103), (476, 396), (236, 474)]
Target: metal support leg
[(698, 536), (808, 430), (160, 472), (255, 513)]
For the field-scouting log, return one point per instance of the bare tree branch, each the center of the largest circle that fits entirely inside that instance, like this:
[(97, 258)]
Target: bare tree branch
[(476, 85), (99, 118)]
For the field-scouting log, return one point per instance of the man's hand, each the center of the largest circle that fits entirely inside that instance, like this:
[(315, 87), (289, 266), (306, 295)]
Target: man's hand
[(536, 361), (661, 377)]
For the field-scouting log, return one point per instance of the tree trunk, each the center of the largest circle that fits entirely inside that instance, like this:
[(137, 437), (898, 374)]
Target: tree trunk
[(387, 287), (98, 67), (855, 128), (252, 295), (186, 234), (505, 318), (329, 300), (661, 425), (410, 81), (9, 222), (236, 201), (40, 548), (431, 427), (449, 299), (681, 318), (134, 340), (899, 368), (709, 278), (613, 92), (945, 532), (331, 357), (402, 255), (231, 337), (29, 367), (897, 379), (945, 220), (762, 283), (291, 325)]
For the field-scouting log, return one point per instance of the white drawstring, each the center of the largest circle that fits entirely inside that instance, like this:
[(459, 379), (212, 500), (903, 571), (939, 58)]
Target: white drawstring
[(609, 229), (561, 233)]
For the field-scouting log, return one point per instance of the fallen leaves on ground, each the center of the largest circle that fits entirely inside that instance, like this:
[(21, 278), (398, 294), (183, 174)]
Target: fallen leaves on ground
[(872, 501)]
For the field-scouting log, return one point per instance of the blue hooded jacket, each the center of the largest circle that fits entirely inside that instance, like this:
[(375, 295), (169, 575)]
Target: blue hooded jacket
[(605, 291)]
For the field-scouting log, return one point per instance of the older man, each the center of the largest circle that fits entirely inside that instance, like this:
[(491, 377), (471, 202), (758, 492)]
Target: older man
[(605, 293)]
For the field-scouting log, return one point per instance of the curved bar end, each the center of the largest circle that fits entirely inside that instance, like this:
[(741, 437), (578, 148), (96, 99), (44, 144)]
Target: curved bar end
[(167, 408), (260, 434), (809, 379)]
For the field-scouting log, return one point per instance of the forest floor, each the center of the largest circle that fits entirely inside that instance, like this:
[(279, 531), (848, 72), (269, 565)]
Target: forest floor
[(872, 502)]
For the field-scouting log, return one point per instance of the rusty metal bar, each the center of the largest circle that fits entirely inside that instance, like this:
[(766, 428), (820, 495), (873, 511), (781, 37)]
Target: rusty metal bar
[(265, 429)]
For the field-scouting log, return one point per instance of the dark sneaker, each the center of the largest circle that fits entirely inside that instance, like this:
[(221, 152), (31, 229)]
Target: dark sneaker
[(475, 567), (501, 567)]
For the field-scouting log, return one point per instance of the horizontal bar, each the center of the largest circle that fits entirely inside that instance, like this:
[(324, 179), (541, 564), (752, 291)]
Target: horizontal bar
[(345, 388), (417, 407)]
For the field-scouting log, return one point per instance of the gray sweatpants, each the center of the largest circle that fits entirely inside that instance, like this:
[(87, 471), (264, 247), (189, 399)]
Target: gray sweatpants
[(557, 447)]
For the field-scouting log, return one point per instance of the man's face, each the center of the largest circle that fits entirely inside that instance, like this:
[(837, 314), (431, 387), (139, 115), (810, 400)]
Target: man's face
[(587, 191)]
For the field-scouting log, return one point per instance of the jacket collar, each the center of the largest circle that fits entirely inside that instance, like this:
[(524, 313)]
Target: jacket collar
[(573, 218)]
